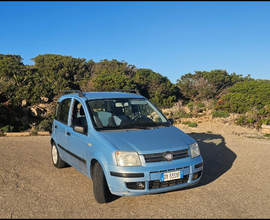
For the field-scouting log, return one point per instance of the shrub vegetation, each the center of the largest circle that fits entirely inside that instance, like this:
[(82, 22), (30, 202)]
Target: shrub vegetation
[(220, 114), (52, 74)]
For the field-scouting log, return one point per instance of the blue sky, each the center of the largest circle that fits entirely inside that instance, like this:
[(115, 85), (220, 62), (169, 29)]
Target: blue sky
[(171, 38)]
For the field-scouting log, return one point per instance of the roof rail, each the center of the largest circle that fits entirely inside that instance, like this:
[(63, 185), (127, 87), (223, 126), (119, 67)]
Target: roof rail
[(74, 91), (129, 90)]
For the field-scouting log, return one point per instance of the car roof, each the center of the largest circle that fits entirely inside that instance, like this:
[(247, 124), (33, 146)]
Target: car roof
[(110, 95), (102, 95)]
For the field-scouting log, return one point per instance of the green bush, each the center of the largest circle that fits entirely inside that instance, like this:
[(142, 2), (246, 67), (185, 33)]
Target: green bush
[(52, 74), (190, 106), (192, 124), (262, 111), (215, 103), (45, 125), (265, 121), (7, 128), (184, 115), (220, 114), (244, 96), (185, 122), (200, 105), (241, 120), (251, 120), (204, 85), (34, 133)]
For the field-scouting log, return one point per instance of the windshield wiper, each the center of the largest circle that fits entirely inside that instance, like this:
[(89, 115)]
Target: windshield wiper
[(135, 125), (119, 127), (146, 124)]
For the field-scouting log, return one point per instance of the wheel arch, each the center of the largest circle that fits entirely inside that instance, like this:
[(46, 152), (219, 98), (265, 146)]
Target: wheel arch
[(92, 164), (52, 141)]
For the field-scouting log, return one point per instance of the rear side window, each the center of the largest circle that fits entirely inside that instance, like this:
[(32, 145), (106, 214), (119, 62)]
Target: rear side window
[(63, 110)]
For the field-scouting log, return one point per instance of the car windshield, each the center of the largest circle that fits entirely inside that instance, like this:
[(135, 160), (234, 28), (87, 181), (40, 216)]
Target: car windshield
[(126, 114)]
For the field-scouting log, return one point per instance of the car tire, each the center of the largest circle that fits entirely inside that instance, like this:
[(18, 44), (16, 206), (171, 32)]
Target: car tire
[(57, 161), (100, 187)]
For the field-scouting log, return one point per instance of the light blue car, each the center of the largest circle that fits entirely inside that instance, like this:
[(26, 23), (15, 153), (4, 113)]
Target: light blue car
[(122, 142)]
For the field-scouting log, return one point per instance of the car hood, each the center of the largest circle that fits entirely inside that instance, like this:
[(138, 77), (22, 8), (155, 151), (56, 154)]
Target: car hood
[(150, 140)]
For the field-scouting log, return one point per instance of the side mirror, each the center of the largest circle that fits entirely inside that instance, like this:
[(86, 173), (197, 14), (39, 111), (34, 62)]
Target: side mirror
[(80, 129), (171, 120)]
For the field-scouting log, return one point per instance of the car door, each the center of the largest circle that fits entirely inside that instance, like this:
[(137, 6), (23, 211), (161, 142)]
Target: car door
[(61, 125), (77, 141)]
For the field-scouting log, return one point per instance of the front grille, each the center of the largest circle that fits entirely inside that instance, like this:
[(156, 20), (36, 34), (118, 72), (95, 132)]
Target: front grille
[(157, 184), (159, 157)]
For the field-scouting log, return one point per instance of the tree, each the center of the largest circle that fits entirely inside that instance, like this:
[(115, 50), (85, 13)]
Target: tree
[(114, 66), (101, 70), (156, 88), (12, 80), (54, 74), (112, 81), (12, 77), (245, 95), (205, 85)]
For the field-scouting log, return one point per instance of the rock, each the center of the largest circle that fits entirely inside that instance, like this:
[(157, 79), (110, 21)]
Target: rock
[(35, 111), (41, 106), (265, 129), (44, 99), (24, 102)]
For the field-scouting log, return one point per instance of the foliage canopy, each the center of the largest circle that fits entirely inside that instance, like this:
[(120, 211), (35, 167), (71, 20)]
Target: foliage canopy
[(52, 74), (204, 85), (244, 96)]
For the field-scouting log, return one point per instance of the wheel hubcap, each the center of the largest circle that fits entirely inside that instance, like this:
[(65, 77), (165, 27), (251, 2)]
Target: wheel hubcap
[(54, 154)]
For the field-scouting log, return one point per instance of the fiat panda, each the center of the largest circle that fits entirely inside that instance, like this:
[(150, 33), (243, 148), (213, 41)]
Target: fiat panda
[(123, 143)]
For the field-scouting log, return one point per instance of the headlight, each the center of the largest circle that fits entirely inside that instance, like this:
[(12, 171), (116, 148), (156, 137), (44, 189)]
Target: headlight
[(194, 150), (127, 158)]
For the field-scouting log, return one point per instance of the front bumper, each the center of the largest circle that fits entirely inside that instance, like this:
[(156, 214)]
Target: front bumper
[(122, 181)]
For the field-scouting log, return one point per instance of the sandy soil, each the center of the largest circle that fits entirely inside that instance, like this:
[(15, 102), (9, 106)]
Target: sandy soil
[(225, 127), (235, 181)]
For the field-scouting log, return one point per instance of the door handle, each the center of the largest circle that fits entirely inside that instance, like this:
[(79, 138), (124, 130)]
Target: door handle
[(68, 133), (55, 126)]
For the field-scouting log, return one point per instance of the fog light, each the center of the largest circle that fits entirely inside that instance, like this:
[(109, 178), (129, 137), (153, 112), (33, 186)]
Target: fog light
[(196, 175), (136, 185), (140, 185)]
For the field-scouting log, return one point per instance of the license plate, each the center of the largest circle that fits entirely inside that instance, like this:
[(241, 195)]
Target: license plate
[(171, 175)]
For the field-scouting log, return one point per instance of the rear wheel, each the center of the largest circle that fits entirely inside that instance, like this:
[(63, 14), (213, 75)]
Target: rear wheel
[(101, 190), (57, 161)]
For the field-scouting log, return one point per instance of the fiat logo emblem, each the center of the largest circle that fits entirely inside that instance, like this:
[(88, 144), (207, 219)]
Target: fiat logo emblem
[(169, 156)]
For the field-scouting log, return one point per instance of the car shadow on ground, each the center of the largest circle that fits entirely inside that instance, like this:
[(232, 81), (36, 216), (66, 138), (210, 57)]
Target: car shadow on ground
[(217, 157)]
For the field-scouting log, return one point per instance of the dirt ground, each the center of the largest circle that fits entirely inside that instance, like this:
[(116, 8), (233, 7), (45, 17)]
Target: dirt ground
[(235, 182), (220, 126)]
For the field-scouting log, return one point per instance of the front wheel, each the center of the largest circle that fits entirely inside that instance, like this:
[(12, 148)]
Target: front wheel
[(101, 190), (57, 161)]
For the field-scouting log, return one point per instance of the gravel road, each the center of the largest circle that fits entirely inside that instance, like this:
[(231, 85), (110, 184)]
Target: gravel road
[(235, 184)]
